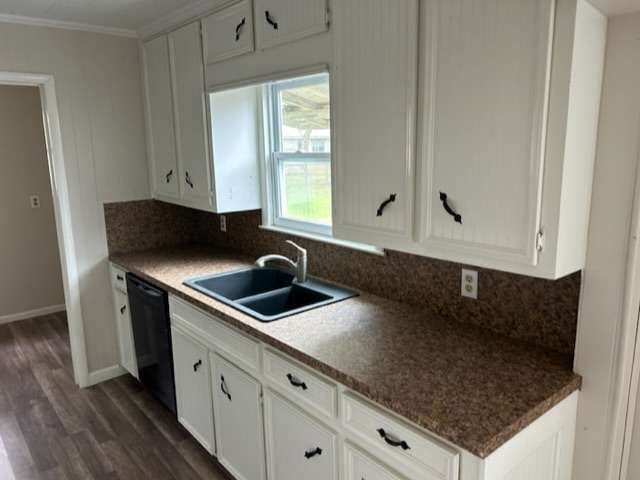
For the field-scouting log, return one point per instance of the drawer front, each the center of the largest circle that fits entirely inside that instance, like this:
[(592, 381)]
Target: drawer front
[(118, 279), (402, 442), (298, 447), (235, 345), (360, 466), (300, 383)]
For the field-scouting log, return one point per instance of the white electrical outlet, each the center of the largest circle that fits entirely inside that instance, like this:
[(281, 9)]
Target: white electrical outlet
[(34, 200), (469, 284), (223, 223)]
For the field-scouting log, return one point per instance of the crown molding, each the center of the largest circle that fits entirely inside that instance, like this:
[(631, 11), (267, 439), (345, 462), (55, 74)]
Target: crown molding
[(180, 16), (82, 27)]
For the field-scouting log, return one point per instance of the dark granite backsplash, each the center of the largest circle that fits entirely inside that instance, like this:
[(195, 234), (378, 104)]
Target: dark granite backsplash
[(541, 312)]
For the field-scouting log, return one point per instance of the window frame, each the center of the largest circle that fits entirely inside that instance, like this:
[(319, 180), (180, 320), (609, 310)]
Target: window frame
[(275, 157)]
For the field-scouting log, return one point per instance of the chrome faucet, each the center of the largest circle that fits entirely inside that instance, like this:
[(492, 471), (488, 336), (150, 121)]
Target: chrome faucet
[(299, 266)]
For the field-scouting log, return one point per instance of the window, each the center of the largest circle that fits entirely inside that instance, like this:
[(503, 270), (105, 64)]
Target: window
[(300, 159)]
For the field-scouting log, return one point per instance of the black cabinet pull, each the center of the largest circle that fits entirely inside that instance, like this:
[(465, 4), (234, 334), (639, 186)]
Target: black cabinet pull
[(120, 278), (123, 309), (169, 175), (394, 442), (383, 205), (187, 179), (296, 382), (456, 216), (239, 28), (223, 387), (197, 365), (270, 20), (312, 453)]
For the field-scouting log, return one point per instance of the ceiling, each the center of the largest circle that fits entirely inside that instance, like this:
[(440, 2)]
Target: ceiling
[(120, 14), (133, 14)]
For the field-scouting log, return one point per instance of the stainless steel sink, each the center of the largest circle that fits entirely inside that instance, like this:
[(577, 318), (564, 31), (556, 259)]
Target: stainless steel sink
[(268, 294)]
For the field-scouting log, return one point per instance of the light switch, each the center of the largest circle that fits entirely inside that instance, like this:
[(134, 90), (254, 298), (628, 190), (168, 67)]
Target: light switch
[(35, 201)]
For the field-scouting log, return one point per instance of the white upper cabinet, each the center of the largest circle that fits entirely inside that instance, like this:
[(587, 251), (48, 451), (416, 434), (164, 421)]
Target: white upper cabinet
[(160, 127), (217, 171), (484, 106), (509, 106), (187, 72), (283, 21), (228, 33), (374, 100)]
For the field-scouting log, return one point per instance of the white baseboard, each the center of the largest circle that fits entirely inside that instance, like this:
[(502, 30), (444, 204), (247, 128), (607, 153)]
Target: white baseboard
[(105, 374), (38, 312)]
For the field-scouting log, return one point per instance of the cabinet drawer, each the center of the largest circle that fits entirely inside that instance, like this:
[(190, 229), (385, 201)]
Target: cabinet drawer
[(238, 347), (118, 279), (401, 441), (360, 466), (298, 447), (301, 383)]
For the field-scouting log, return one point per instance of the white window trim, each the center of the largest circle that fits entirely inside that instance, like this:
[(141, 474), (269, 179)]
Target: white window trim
[(272, 159), (270, 219)]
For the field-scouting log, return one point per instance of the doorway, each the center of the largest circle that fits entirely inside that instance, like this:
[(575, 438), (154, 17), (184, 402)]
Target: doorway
[(58, 188)]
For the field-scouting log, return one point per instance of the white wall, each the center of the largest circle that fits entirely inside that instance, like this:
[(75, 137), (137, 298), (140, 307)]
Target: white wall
[(28, 243), (634, 457), (604, 274), (99, 97)]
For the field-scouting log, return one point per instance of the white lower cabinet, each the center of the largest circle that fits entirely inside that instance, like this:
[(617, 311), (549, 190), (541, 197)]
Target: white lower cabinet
[(286, 421), (193, 388), (123, 323), (238, 420), (360, 466), (298, 447)]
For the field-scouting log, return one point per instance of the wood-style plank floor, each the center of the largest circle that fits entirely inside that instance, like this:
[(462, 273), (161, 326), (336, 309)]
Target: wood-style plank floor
[(52, 430)]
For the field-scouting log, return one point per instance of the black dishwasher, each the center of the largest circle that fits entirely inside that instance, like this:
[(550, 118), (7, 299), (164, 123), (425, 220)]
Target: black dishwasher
[(150, 322)]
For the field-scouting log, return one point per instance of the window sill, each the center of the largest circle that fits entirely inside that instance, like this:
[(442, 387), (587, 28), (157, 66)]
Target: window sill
[(361, 247)]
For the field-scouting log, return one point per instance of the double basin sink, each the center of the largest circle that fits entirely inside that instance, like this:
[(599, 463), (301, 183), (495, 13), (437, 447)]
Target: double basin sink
[(268, 294)]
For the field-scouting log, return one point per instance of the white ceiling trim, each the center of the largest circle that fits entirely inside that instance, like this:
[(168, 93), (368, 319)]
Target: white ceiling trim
[(83, 27), (180, 16)]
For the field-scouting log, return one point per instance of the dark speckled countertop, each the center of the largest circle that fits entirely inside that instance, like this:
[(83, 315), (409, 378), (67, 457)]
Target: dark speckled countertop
[(473, 387)]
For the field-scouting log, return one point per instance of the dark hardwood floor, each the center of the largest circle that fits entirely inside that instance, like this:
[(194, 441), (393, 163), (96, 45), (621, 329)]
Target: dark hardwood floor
[(50, 429)]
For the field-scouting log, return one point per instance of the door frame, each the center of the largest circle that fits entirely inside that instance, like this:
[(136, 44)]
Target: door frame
[(62, 211), (627, 363)]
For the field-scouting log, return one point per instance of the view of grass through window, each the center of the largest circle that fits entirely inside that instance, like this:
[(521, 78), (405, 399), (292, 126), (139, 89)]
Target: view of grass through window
[(303, 147), (307, 191)]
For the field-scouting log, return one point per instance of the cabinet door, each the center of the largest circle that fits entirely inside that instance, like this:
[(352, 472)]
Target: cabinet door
[(238, 419), (228, 33), (125, 334), (282, 21), (193, 388), (159, 110), (360, 466), (483, 131), (298, 447), (190, 114), (374, 89)]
